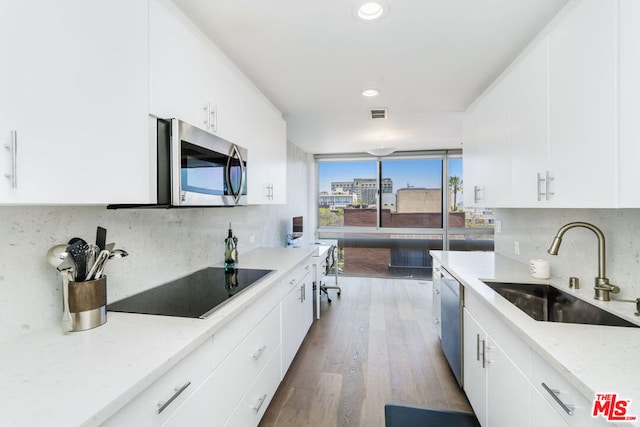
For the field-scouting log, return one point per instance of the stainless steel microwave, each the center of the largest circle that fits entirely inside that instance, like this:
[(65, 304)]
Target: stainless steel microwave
[(197, 168)]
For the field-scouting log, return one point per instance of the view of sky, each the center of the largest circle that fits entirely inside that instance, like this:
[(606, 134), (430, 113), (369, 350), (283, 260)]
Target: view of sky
[(416, 173)]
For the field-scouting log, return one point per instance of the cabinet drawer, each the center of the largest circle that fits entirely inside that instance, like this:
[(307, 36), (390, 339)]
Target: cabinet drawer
[(239, 370), (293, 278), (237, 329), (566, 393), (255, 402), (169, 391)]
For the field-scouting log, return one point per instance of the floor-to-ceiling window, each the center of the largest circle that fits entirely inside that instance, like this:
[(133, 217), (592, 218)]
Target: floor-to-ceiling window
[(387, 213)]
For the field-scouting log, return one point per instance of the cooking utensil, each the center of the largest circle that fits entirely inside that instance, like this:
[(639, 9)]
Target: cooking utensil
[(97, 265), (56, 254), (101, 237), (81, 254), (116, 253), (66, 271)]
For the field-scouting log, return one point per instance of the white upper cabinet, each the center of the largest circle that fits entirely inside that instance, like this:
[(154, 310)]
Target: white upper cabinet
[(190, 79), (629, 103), (530, 128), (583, 106), (488, 145), (561, 103), (74, 92)]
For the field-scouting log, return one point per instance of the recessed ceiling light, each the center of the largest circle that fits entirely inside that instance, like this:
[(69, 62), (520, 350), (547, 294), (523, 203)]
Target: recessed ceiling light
[(370, 92), (371, 10)]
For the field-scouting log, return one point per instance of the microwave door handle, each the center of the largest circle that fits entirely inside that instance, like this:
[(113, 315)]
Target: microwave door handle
[(235, 153), (243, 176)]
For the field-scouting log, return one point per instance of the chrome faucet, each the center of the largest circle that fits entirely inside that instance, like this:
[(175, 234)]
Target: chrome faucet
[(602, 286)]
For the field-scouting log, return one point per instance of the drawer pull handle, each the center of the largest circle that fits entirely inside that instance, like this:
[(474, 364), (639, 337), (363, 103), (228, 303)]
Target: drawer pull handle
[(13, 149), (554, 393), (261, 400), (259, 352), (178, 390)]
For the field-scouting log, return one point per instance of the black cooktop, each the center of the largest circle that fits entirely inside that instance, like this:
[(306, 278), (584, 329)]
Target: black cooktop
[(196, 295)]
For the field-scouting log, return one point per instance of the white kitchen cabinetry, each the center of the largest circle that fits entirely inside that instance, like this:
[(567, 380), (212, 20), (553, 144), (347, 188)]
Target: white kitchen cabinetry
[(437, 286), (503, 377), (583, 106), (530, 184), (629, 103), (74, 90), (296, 312), (488, 170), (240, 369), (178, 393), (552, 118), (497, 390), (192, 80), (183, 68)]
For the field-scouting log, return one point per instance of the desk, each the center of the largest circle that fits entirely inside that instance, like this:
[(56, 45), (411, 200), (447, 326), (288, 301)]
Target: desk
[(319, 260)]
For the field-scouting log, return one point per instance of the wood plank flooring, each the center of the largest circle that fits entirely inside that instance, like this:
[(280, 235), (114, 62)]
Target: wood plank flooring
[(375, 344)]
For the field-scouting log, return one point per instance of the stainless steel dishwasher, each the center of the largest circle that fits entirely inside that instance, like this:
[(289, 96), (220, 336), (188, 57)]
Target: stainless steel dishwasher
[(452, 293)]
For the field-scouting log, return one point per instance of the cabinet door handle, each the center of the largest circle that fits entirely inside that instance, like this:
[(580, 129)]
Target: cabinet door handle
[(478, 347), (484, 351), (554, 393), (548, 179), (302, 293), (213, 117), (541, 194), (261, 400), (178, 390), (13, 149), (477, 190), (259, 352)]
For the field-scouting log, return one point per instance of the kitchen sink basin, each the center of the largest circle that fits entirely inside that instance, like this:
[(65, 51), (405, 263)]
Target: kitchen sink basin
[(549, 304)]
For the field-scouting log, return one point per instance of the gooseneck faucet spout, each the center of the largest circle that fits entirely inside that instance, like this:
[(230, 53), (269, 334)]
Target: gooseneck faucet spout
[(602, 286)]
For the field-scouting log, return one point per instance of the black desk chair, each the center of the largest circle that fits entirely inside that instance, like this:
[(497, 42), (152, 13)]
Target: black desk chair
[(331, 267)]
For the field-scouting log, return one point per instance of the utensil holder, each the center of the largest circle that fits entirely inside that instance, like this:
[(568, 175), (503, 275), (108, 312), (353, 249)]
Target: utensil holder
[(88, 303)]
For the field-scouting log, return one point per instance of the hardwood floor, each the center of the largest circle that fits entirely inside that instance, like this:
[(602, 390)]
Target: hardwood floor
[(375, 344)]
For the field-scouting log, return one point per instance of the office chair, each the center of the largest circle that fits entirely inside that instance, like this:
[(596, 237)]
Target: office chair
[(331, 266)]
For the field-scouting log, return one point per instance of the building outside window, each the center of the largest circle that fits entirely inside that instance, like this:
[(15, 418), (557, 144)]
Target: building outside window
[(388, 213)]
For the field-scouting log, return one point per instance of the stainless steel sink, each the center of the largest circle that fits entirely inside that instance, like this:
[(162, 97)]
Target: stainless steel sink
[(549, 304)]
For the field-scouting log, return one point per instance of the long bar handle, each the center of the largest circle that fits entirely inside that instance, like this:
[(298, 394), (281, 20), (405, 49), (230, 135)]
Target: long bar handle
[(554, 393), (261, 400), (163, 405), (13, 149), (259, 352), (548, 179), (541, 194)]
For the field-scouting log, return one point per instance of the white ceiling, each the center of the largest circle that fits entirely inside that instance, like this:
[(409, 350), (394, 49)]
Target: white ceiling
[(430, 59)]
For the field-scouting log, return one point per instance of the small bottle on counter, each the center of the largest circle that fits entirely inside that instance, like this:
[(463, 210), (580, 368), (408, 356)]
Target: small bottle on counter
[(230, 250)]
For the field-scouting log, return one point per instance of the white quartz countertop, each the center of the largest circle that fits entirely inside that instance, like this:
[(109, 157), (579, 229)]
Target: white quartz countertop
[(594, 359), (81, 379)]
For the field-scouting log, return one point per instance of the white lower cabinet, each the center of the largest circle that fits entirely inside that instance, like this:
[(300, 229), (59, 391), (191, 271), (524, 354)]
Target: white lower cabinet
[(296, 311), (256, 400), (235, 375), (497, 390), (504, 377), (169, 394), (437, 285), (231, 378)]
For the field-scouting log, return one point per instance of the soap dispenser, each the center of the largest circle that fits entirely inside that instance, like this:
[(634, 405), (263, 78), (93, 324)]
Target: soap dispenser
[(230, 250)]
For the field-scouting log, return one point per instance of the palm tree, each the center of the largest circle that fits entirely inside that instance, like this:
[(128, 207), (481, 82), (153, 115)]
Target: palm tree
[(455, 185)]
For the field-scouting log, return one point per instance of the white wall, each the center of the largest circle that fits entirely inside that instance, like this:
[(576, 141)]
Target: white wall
[(578, 255), (163, 245)]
